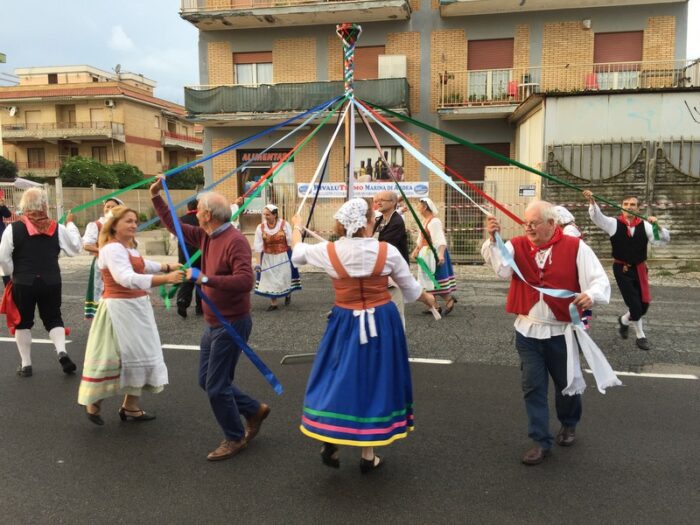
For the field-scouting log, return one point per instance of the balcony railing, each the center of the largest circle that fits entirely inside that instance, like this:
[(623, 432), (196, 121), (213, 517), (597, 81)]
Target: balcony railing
[(169, 138), (487, 7), (279, 98), (61, 130), (238, 14), (491, 87)]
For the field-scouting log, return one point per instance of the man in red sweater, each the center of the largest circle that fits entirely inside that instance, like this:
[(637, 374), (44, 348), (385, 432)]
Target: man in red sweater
[(547, 259), (226, 278)]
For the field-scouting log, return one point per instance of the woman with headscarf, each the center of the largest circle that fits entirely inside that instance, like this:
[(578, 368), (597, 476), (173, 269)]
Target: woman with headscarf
[(359, 392), (276, 276), (123, 353), (442, 273), (92, 232)]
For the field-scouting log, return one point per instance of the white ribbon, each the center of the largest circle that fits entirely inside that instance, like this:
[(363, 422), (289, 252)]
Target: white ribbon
[(369, 315), (602, 371)]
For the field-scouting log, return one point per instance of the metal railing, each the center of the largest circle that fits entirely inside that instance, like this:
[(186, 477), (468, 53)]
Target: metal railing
[(52, 129), (512, 86), (179, 136), (203, 6)]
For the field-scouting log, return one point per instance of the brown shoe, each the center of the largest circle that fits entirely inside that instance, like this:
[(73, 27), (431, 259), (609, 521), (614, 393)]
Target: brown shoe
[(566, 436), (227, 449), (254, 422), (535, 455)]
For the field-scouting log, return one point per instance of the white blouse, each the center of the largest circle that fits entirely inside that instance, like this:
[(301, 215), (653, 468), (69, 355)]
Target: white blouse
[(437, 235), (609, 226), (91, 231), (259, 245), (115, 257), (358, 256)]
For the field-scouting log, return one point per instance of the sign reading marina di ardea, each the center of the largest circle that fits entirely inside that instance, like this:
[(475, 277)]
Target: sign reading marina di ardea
[(335, 190)]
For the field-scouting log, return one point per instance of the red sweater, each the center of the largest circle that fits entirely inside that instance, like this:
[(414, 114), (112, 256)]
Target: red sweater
[(561, 273), (226, 261)]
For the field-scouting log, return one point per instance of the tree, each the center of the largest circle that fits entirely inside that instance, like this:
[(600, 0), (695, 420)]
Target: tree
[(8, 169), (126, 174), (189, 179), (81, 172)]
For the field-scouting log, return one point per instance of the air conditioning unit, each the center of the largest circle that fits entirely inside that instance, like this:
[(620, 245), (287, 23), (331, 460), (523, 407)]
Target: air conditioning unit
[(392, 66), (109, 103)]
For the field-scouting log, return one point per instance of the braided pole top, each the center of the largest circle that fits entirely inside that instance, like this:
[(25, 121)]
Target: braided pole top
[(349, 34)]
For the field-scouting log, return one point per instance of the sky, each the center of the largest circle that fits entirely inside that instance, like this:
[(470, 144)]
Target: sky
[(144, 36)]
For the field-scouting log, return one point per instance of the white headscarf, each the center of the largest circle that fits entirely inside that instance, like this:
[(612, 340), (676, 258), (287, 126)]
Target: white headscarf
[(564, 215), (430, 204), (352, 215), (271, 207)]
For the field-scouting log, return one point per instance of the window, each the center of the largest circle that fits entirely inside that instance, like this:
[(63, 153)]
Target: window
[(156, 122), (367, 62), (490, 64), (53, 78), (99, 153), (616, 57), (253, 68), (159, 156), (36, 158)]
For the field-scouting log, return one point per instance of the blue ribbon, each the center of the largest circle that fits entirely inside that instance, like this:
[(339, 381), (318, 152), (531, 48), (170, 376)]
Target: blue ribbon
[(262, 367), (552, 292)]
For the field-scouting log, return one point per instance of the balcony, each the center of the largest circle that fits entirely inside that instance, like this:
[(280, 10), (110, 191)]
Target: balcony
[(490, 7), (270, 103), (47, 168), (55, 131), (211, 15), (495, 93), (177, 141)]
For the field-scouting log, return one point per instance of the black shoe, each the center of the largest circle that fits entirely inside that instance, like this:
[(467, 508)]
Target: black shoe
[(182, 311), (623, 329), (288, 300), (329, 455), (66, 363), (643, 344), (94, 418), (135, 415), (24, 371), (271, 308), (368, 465)]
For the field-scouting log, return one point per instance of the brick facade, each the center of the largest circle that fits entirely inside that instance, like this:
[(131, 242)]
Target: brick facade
[(221, 166), (448, 52), (335, 58), (521, 51), (659, 44), (408, 44), (220, 62), (565, 43), (294, 60)]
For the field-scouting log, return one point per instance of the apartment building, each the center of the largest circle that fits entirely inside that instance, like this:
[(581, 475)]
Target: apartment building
[(55, 113), (520, 78)]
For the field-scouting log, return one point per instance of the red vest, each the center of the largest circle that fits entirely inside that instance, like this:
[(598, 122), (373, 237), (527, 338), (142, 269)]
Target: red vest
[(559, 272)]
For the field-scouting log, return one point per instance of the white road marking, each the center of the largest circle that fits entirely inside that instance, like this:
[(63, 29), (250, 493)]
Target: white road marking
[(651, 374), (40, 341)]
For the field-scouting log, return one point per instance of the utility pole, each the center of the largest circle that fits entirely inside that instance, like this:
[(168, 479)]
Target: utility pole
[(3, 59)]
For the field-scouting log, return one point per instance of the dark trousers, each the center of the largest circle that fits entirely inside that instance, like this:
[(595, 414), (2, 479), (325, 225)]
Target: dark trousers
[(537, 358), (217, 366), (46, 296), (631, 291), (184, 296)]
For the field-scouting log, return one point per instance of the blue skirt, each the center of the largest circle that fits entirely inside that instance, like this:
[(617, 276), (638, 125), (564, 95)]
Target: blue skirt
[(445, 276), (360, 394)]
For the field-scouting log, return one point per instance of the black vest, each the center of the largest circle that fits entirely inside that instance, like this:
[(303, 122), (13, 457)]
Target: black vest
[(34, 256), (632, 250)]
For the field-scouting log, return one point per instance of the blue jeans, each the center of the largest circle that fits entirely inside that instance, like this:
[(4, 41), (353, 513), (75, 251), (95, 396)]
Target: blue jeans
[(217, 365), (537, 358)]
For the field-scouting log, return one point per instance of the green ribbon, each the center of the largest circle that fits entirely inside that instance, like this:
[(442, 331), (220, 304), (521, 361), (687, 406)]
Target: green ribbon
[(507, 160), (166, 294), (426, 270)]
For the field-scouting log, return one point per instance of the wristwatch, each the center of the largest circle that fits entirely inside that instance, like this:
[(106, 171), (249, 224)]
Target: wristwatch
[(205, 279)]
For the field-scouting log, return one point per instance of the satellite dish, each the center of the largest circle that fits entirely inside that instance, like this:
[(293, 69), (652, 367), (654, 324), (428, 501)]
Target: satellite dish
[(118, 69), (13, 111)]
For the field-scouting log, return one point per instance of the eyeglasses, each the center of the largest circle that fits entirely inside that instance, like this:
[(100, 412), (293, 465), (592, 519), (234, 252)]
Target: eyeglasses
[(532, 224)]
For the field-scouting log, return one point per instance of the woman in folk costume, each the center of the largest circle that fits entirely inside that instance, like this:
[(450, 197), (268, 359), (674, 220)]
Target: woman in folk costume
[(123, 353), (92, 232), (276, 276), (359, 392), (444, 275)]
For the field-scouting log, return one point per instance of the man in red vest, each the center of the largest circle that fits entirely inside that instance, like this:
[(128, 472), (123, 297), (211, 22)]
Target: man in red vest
[(547, 259), (629, 251)]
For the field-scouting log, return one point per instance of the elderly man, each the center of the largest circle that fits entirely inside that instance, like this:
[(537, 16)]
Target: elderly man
[(226, 278), (29, 252), (629, 251), (546, 259)]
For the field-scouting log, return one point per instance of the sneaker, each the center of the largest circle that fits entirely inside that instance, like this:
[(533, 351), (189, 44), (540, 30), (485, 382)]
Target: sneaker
[(24, 371), (66, 363), (643, 344)]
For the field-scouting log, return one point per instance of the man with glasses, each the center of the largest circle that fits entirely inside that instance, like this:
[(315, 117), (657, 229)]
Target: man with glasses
[(547, 259), (629, 251)]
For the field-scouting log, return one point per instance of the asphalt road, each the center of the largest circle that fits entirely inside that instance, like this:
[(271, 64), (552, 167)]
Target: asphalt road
[(637, 458)]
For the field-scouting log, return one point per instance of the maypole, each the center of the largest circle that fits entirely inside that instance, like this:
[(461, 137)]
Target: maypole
[(349, 34)]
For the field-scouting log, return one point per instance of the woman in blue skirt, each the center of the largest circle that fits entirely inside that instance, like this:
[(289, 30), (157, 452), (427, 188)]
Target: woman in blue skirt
[(359, 392)]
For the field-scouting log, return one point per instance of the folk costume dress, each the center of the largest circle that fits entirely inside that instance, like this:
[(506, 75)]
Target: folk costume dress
[(123, 353), (445, 275), (359, 392), (278, 277), (95, 285)]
